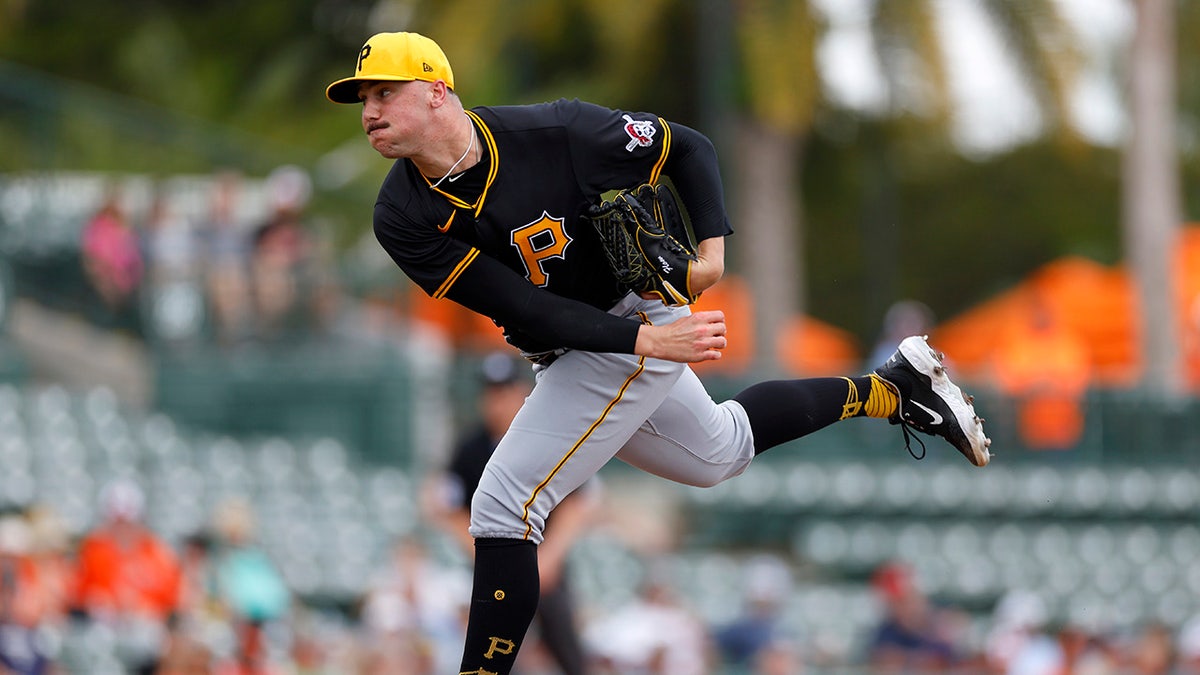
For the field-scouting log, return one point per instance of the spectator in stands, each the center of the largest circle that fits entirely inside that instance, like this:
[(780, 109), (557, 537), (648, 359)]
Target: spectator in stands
[(1016, 628), (167, 241), (199, 593), (653, 634), (780, 657), (111, 256), (127, 577), (1188, 643), (505, 382), (24, 603), (415, 612), (1065, 649), (173, 295), (249, 586), (51, 551), (1045, 370), (909, 638), (186, 656), (281, 257), (201, 620), (746, 640), (1152, 651), (1087, 653), (225, 250)]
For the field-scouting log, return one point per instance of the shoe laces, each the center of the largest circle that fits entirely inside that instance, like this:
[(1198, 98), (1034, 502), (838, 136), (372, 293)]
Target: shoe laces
[(908, 437)]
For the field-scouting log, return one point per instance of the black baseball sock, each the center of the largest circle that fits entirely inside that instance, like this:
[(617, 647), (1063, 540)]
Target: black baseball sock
[(784, 410), (503, 601)]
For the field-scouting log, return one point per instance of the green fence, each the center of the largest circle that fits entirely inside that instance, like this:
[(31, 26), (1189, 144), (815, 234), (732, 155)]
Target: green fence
[(359, 395)]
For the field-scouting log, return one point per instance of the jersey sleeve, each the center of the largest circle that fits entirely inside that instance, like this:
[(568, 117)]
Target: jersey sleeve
[(613, 149), (431, 259), (693, 169)]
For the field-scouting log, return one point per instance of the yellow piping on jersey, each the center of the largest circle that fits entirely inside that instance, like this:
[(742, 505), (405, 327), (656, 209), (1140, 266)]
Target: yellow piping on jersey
[(587, 434), (457, 272), (666, 149), (493, 169)]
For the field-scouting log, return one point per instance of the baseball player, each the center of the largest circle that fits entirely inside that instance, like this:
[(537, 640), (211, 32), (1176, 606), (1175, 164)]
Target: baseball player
[(500, 209)]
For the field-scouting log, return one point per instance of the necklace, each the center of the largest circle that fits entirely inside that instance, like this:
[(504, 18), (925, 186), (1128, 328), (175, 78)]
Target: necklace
[(470, 146)]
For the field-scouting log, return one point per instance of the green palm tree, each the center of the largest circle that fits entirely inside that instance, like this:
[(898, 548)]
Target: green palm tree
[(777, 41)]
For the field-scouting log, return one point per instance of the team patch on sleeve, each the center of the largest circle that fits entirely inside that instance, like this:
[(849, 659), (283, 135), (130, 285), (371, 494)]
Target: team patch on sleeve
[(640, 132)]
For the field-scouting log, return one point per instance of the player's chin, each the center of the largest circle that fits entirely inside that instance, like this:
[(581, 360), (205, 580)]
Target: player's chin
[(385, 149)]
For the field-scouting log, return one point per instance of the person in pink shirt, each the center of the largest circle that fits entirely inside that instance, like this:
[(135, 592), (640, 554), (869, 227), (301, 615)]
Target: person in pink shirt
[(112, 258)]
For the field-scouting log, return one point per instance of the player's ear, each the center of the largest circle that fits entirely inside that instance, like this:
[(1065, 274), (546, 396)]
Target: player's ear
[(438, 93)]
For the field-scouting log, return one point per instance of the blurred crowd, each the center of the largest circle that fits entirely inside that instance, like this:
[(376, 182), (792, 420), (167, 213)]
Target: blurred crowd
[(216, 603), (236, 270)]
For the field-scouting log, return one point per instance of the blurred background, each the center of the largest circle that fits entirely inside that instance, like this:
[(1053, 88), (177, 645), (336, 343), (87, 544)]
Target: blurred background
[(206, 359)]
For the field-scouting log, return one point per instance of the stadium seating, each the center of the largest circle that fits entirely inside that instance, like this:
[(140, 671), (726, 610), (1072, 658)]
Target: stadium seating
[(325, 518), (1105, 545)]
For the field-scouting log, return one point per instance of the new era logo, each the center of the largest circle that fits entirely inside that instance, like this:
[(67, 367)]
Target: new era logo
[(426, 67)]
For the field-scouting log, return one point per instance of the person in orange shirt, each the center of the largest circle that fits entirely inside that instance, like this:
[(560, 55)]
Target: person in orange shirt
[(25, 606), (1045, 370), (126, 576)]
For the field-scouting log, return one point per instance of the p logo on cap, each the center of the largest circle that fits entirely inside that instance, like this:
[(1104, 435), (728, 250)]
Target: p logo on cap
[(393, 57)]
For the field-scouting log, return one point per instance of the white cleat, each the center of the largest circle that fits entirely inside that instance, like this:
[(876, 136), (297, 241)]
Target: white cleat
[(931, 403)]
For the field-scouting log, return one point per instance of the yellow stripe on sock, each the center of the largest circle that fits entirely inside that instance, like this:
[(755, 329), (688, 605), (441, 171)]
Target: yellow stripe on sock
[(883, 400), (852, 405)]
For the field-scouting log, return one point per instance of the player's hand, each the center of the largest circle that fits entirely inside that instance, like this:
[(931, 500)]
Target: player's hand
[(706, 271), (697, 337)]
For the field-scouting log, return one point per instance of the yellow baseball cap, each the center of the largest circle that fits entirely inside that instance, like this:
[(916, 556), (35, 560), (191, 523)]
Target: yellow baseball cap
[(396, 57)]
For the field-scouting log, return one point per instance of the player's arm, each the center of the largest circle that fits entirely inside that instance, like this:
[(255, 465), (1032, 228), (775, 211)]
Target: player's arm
[(489, 288), (709, 266), (691, 164)]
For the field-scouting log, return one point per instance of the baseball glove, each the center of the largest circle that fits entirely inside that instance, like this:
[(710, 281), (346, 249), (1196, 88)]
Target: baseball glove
[(645, 239)]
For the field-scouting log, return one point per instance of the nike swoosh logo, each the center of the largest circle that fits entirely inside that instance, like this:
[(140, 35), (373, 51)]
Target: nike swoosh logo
[(937, 419), (455, 177)]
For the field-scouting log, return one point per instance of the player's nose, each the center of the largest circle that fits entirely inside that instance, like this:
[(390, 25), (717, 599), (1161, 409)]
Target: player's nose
[(370, 109)]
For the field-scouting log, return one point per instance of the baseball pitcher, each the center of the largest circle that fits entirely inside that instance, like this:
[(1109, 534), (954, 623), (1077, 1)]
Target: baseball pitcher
[(504, 211)]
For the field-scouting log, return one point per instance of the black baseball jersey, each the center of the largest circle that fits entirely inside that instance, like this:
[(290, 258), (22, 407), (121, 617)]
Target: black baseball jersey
[(506, 239)]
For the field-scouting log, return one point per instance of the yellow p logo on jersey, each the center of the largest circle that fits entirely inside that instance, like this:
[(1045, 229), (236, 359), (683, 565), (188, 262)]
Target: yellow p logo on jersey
[(539, 241)]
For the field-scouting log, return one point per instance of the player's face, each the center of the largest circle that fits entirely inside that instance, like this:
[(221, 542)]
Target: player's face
[(393, 115)]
